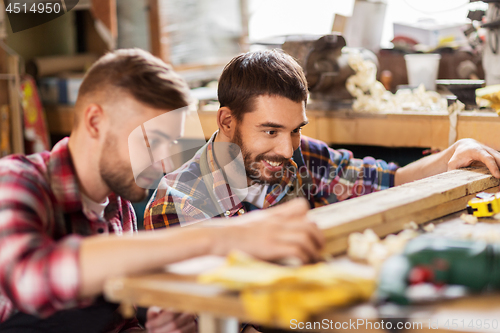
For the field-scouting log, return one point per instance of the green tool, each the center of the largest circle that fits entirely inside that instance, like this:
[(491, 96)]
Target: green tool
[(440, 261)]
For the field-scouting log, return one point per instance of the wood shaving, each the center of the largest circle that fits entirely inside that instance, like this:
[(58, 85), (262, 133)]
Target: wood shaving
[(411, 225), (429, 227), (468, 218), (371, 96), (368, 247)]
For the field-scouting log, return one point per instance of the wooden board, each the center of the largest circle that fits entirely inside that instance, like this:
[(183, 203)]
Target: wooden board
[(388, 211)]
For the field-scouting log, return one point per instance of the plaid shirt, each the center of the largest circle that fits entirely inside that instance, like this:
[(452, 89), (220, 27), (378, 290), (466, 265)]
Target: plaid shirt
[(320, 174), (41, 228)]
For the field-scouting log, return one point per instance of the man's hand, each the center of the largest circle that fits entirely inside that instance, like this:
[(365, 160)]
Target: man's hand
[(271, 234), (463, 153), (470, 152), (164, 321)]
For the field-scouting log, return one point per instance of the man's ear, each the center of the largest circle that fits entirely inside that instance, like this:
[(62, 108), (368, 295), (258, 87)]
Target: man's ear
[(93, 119), (226, 121)]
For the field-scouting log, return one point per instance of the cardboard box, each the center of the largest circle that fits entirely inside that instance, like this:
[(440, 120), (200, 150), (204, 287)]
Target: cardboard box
[(431, 33)]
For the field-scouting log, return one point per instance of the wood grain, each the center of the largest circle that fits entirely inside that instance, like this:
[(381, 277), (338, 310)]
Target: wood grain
[(169, 290), (388, 211)]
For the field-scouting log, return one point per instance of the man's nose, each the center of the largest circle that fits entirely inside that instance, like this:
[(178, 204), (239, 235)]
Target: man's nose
[(285, 147)]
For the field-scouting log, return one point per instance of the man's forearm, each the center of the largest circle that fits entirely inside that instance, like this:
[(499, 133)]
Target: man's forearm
[(104, 257), (424, 167)]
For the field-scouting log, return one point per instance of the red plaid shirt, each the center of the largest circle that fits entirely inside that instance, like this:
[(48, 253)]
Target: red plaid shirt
[(41, 228)]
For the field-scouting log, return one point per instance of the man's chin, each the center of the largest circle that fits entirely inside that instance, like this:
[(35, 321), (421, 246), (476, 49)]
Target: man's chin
[(141, 195), (136, 194)]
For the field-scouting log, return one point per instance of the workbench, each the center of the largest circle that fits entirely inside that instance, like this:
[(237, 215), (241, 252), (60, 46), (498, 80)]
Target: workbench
[(345, 127), (221, 310), (407, 129)]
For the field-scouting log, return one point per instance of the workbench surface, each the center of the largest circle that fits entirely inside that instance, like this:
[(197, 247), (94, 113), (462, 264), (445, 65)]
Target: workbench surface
[(183, 293)]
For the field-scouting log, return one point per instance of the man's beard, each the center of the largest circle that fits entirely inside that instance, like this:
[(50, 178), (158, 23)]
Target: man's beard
[(116, 175), (251, 165)]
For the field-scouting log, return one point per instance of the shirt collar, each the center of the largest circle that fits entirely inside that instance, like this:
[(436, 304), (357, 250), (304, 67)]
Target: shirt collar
[(63, 179)]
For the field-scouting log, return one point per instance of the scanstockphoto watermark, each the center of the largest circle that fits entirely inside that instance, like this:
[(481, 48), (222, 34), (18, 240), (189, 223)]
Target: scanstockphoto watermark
[(354, 324), (456, 324)]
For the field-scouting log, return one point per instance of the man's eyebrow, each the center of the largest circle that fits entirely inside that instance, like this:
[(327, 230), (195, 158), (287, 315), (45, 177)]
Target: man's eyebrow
[(304, 123), (270, 124), (275, 125)]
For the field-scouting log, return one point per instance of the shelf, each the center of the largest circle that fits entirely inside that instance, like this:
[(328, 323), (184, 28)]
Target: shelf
[(409, 129), (59, 119)]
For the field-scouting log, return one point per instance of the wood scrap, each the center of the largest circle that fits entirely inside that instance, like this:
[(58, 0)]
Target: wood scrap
[(467, 218)]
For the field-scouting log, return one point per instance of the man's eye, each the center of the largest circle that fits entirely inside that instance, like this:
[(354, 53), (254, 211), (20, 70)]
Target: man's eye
[(271, 132), (297, 130)]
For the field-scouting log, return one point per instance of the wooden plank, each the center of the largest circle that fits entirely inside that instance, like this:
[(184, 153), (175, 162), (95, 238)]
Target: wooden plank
[(338, 244), (427, 215), (388, 211), (408, 198)]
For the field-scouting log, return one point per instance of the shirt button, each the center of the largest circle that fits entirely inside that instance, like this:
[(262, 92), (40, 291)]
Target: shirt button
[(100, 230), (241, 211), (227, 213)]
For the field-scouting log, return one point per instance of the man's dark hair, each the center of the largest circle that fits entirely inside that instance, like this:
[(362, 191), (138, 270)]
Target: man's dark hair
[(253, 74), (137, 72)]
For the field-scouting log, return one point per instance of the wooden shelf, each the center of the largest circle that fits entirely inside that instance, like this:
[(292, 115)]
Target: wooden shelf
[(409, 129), (59, 119)]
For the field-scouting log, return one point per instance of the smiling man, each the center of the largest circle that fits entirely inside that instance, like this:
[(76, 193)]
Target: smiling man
[(262, 99)]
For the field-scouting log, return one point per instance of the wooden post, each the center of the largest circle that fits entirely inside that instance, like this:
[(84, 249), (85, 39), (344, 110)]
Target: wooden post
[(5, 147), (154, 28), (159, 38), (104, 12), (16, 115), (244, 25)]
